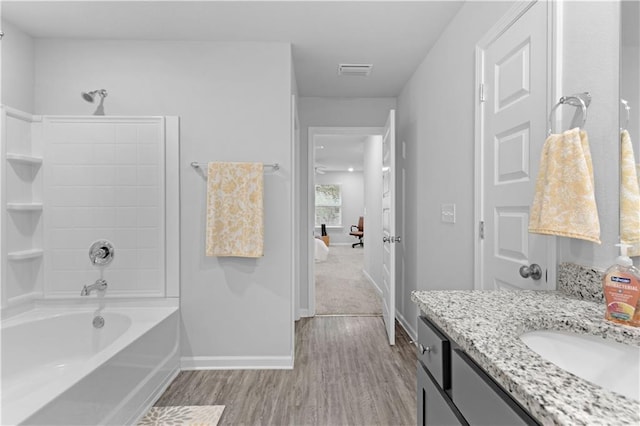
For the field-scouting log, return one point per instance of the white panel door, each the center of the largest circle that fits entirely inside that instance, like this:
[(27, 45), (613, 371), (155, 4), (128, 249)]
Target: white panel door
[(389, 228), (513, 118)]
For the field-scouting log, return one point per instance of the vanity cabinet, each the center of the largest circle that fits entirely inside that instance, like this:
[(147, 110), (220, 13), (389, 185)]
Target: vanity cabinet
[(454, 390), (434, 352), (434, 407)]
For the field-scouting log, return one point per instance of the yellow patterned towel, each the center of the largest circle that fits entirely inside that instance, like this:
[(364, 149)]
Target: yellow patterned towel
[(564, 203), (235, 210), (629, 197)]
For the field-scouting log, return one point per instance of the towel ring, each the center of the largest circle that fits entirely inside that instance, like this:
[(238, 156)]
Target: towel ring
[(628, 109), (581, 100)]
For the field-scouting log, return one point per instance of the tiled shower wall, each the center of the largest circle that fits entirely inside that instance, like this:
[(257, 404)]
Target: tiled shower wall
[(104, 180)]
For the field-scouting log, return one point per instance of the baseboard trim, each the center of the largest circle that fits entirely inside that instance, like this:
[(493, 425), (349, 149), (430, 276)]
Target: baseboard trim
[(236, 363), (371, 280), (407, 327), (304, 313), (401, 319)]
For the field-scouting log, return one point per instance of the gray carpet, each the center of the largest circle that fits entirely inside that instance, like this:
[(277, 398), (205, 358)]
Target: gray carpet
[(342, 288)]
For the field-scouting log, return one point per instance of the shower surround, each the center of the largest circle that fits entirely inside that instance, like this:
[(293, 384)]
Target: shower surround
[(68, 181)]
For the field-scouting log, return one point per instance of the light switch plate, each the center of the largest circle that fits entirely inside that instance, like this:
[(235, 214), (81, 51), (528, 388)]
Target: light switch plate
[(448, 213)]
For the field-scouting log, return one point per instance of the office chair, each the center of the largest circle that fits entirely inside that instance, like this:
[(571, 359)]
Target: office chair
[(358, 232)]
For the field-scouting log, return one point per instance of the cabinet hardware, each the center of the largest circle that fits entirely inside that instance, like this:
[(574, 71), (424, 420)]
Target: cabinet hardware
[(423, 348), (534, 271)]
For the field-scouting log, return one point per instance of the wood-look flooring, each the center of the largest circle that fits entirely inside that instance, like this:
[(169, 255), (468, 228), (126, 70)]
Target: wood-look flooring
[(345, 374)]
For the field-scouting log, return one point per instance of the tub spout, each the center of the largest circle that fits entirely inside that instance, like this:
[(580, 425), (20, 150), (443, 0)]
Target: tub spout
[(100, 285)]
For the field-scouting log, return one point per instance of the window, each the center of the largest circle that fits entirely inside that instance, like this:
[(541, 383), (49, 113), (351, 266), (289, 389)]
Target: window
[(328, 205)]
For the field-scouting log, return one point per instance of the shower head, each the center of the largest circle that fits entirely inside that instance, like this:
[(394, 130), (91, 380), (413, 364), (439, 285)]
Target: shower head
[(91, 96), (87, 97)]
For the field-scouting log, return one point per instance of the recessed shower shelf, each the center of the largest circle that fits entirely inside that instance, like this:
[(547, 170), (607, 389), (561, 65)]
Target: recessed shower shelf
[(24, 159), (24, 206), (24, 254)]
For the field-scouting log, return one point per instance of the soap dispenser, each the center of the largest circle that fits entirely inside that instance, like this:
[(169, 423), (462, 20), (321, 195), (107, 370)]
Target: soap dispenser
[(621, 286)]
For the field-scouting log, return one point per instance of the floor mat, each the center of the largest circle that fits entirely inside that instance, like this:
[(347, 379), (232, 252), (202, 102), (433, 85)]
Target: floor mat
[(183, 415)]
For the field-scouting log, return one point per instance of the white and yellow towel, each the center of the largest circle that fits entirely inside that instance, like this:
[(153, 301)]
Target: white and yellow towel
[(629, 197), (564, 203), (235, 210)]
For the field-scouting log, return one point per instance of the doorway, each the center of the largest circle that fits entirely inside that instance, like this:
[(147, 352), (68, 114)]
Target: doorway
[(343, 164)]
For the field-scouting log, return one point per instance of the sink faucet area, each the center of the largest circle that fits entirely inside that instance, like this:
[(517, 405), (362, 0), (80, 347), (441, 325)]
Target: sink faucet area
[(99, 285), (612, 365)]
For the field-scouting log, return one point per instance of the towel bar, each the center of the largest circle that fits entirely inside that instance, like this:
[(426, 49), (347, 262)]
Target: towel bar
[(582, 100), (628, 109), (196, 165)]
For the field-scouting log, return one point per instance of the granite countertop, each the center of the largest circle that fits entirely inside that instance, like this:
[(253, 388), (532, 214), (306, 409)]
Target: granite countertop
[(487, 325)]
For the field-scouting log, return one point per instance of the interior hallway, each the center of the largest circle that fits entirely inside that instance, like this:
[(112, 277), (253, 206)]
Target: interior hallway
[(345, 374), (341, 286)]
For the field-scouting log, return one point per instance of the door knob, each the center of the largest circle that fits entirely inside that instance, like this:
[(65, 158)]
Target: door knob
[(391, 239), (532, 271)]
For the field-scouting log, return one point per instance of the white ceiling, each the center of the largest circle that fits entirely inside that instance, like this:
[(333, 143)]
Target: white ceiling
[(339, 152), (392, 35)]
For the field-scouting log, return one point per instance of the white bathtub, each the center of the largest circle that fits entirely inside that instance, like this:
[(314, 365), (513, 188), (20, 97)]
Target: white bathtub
[(58, 369)]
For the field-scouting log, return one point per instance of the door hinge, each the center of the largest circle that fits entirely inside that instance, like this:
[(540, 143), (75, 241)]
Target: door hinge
[(481, 230), (482, 99)]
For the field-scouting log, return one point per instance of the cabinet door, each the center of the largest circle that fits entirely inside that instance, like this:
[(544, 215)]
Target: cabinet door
[(433, 409), (479, 399), (434, 351)]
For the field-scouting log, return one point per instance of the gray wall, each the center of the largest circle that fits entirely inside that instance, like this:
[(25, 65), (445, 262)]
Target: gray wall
[(436, 121), (630, 91), (330, 112), (234, 100), (18, 68), (590, 63)]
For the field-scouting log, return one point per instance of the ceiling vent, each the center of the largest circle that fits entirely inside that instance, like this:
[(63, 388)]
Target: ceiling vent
[(359, 70)]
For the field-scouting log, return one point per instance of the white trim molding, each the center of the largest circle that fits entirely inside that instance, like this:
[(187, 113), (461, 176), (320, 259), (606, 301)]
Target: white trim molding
[(372, 281), (407, 327), (172, 205), (236, 363), (304, 313)]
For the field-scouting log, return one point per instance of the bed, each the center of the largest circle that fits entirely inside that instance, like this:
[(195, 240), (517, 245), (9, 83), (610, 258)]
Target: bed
[(321, 250)]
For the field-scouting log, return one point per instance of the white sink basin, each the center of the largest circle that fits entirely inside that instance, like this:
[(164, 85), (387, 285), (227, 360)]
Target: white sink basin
[(612, 365)]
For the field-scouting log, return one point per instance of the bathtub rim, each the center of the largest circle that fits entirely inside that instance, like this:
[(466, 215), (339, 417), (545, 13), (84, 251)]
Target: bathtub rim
[(90, 302), (23, 408)]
